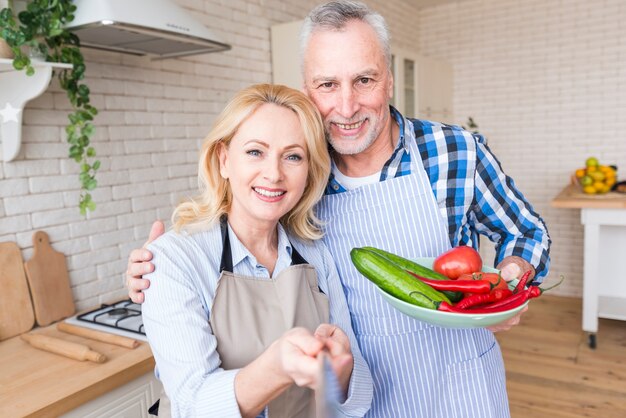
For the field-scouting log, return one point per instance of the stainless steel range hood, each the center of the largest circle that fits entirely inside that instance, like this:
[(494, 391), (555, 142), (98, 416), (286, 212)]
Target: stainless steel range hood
[(158, 28)]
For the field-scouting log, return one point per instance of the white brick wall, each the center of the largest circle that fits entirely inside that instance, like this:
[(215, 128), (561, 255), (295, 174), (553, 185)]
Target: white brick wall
[(153, 117), (545, 81), (542, 79)]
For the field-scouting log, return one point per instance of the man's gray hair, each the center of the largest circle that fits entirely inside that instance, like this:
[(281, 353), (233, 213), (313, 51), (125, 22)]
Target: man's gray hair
[(335, 15)]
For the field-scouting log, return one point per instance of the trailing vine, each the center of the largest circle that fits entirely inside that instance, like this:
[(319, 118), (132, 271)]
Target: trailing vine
[(40, 30)]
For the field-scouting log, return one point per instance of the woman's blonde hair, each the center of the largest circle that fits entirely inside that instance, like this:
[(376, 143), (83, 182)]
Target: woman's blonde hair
[(215, 197)]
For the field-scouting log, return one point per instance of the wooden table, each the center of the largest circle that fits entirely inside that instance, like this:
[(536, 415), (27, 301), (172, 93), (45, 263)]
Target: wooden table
[(35, 383), (604, 278)]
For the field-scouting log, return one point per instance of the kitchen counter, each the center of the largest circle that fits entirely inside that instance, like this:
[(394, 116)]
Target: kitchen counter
[(35, 383), (572, 197), (604, 221)]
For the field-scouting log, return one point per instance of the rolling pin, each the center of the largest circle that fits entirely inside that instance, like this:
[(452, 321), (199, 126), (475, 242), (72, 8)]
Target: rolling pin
[(64, 348), (97, 335)]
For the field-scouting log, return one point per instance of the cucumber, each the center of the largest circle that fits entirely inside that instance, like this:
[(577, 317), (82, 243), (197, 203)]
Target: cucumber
[(394, 280), (418, 269)]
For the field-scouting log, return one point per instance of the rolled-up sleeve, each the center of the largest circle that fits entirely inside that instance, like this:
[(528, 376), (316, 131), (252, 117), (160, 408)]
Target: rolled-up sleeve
[(502, 212), (361, 390), (176, 321)]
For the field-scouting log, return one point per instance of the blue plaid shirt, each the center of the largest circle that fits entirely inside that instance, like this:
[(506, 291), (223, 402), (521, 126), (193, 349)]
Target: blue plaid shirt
[(471, 190)]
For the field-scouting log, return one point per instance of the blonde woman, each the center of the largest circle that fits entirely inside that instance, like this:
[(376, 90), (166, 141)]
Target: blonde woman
[(243, 296)]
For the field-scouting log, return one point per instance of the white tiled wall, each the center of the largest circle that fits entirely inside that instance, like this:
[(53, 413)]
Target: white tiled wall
[(153, 116), (546, 82)]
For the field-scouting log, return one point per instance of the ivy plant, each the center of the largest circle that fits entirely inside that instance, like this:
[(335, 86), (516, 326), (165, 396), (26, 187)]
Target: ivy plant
[(40, 28), (471, 125)]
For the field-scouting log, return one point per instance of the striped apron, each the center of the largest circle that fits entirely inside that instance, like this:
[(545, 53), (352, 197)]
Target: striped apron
[(419, 370)]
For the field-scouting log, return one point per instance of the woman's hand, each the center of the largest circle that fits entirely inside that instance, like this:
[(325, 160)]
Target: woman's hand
[(297, 350), (338, 346), (290, 359)]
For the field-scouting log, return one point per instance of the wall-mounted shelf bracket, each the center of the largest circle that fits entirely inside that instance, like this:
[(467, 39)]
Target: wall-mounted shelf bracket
[(17, 89)]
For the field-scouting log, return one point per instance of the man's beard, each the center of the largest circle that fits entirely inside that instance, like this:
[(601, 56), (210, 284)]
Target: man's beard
[(347, 147)]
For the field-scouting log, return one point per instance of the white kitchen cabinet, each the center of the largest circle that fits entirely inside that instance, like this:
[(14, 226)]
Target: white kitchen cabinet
[(285, 45), (423, 86), (129, 401)]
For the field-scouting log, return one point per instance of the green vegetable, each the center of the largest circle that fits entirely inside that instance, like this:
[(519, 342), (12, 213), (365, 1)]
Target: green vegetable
[(418, 269), (394, 280)]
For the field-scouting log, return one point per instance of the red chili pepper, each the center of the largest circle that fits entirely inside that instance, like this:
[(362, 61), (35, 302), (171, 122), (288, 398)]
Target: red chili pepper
[(482, 299), (512, 302), (465, 286), (516, 300), (446, 307), (521, 285)]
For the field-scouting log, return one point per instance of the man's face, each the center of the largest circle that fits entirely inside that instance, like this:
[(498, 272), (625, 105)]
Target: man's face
[(346, 76)]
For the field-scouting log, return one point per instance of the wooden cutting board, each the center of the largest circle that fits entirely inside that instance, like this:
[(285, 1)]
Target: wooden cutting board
[(16, 309), (49, 282)]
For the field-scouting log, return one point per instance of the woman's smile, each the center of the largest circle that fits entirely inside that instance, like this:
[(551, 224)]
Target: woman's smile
[(269, 195)]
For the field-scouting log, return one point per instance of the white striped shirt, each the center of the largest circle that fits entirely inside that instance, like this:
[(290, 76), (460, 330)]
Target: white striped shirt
[(177, 309)]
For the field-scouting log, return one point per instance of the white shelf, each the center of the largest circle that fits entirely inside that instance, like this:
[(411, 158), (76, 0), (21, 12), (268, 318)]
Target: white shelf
[(17, 89)]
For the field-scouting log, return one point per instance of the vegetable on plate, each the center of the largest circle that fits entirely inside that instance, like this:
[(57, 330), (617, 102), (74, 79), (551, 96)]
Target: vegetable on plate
[(458, 261)]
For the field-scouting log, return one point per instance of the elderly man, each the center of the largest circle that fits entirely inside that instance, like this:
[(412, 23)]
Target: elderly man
[(415, 188)]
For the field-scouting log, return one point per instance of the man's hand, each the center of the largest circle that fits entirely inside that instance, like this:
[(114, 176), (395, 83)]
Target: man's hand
[(513, 267), (509, 323), (139, 264)]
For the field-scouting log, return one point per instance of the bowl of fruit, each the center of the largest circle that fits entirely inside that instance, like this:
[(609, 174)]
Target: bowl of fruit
[(596, 178)]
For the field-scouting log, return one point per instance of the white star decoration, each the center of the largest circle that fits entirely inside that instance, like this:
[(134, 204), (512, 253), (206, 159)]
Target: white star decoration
[(9, 113)]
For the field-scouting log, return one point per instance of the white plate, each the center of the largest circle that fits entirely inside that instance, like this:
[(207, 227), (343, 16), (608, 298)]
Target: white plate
[(451, 319)]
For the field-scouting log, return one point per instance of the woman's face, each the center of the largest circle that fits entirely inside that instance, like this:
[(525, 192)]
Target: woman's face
[(266, 165)]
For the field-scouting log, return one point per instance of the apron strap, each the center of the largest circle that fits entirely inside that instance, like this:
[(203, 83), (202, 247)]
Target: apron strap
[(227, 257), (226, 263), (296, 258)]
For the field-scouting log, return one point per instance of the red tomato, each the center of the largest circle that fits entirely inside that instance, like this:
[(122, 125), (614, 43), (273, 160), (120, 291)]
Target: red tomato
[(491, 277), (458, 261)]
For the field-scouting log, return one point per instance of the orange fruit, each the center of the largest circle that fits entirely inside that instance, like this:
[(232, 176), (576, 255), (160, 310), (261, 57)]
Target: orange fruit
[(580, 172)]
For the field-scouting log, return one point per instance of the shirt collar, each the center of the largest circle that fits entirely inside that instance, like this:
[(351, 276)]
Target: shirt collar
[(241, 253), (404, 125)]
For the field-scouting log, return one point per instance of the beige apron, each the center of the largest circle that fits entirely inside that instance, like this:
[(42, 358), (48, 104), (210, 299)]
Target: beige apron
[(249, 314)]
